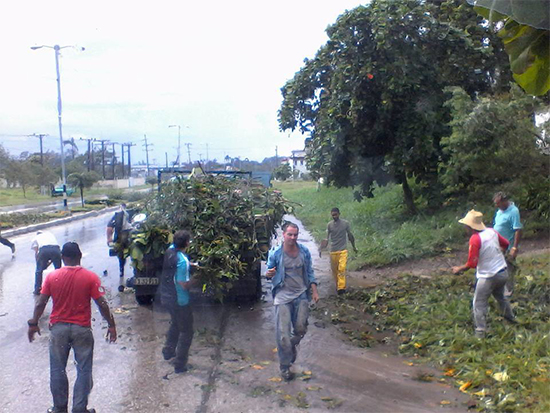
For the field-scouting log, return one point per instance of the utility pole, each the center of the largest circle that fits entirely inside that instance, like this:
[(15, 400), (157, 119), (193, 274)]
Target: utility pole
[(166, 156), (40, 136), (129, 145), (103, 142), (147, 152), (188, 153), (113, 161), (90, 161), (122, 159), (276, 156)]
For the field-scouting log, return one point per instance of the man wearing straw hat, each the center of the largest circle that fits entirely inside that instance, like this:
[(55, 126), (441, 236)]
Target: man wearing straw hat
[(486, 254)]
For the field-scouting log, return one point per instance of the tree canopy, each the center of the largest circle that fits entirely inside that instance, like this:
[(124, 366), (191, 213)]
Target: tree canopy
[(376, 89)]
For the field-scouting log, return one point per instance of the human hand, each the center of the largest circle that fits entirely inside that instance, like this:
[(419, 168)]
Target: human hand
[(111, 335), (270, 273), (32, 331), (456, 270), (513, 252), (315, 296)]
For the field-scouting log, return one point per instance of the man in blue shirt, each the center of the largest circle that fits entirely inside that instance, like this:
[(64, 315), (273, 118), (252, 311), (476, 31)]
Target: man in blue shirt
[(294, 284), (507, 223), (174, 288)]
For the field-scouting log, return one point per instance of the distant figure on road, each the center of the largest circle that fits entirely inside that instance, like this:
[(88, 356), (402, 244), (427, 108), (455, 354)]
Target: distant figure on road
[(46, 251), (7, 243), (174, 289), (338, 234), (507, 223), (71, 288), (486, 254), (294, 284), (120, 227)]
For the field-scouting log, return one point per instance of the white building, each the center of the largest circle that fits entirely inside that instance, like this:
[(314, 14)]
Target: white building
[(298, 162)]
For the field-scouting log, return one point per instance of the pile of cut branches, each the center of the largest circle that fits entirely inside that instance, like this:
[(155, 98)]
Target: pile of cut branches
[(231, 222)]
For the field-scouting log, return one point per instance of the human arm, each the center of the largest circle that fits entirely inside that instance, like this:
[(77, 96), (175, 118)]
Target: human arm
[(473, 255), (314, 293), (515, 247), (110, 231), (103, 307), (503, 243), (271, 265), (39, 308), (351, 239)]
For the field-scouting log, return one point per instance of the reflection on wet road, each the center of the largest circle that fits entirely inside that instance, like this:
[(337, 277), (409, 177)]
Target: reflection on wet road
[(235, 368)]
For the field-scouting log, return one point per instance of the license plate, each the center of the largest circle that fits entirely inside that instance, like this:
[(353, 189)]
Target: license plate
[(146, 281)]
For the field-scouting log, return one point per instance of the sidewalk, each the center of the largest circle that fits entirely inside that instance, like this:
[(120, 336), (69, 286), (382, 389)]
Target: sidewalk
[(76, 217)]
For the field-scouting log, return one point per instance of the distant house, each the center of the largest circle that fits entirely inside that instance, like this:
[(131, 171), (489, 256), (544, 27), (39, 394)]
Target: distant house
[(298, 162)]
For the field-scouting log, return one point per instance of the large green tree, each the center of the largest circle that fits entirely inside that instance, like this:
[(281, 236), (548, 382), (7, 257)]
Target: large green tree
[(83, 180), (376, 89)]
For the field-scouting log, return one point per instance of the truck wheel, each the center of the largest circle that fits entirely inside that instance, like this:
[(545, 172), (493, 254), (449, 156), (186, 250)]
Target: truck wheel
[(144, 299)]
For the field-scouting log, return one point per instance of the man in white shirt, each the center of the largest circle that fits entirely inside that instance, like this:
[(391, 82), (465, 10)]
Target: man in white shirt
[(46, 251)]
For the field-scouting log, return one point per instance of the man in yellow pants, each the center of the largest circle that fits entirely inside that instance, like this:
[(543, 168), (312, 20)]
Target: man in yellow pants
[(338, 234)]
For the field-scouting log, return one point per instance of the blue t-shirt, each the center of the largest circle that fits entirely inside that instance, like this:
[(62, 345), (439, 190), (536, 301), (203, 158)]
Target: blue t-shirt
[(507, 222), (182, 275)]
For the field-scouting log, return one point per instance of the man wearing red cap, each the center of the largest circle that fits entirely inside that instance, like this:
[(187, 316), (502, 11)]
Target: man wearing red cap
[(486, 254)]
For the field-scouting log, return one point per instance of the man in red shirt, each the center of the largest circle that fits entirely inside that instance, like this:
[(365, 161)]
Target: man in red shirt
[(486, 254), (71, 288)]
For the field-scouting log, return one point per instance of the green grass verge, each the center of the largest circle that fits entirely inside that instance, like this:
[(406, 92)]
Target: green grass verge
[(384, 233), (508, 371)]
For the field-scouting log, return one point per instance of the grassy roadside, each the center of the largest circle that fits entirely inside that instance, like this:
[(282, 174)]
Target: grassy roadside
[(429, 318), (15, 196), (384, 234)]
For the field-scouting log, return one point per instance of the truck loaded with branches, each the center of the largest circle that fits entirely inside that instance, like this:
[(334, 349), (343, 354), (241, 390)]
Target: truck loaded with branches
[(232, 220)]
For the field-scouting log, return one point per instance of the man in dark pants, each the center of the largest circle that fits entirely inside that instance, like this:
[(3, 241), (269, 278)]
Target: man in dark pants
[(174, 289), (118, 231), (46, 251), (72, 288)]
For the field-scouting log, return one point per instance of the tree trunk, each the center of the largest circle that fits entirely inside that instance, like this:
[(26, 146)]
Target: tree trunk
[(82, 196), (408, 195)]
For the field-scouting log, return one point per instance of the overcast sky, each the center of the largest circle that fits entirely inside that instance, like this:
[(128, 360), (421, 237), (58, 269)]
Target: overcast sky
[(215, 68)]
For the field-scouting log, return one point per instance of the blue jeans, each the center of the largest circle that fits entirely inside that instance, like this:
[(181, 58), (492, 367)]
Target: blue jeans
[(63, 336), (291, 327), (48, 254)]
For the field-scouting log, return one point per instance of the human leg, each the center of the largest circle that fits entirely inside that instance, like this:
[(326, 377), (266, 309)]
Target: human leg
[(334, 262), (283, 326), (172, 335), (59, 352), (299, 324), (499, 292), (7, 243), (83, 347), (42, 263), (512, 271), (484, 288), (341, 275), (56, 257), (185, 326)]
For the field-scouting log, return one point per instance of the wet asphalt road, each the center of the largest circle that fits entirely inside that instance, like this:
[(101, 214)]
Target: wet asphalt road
[(234, 366)]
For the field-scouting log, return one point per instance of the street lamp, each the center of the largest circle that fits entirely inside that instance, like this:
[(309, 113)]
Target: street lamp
[(179, 143), (57, 48)]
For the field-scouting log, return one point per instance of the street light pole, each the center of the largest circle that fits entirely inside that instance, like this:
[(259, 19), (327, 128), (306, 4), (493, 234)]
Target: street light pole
[(57, 48)]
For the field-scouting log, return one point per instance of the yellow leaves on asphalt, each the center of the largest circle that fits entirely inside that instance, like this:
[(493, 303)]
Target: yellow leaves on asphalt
[(450, 372), (265, 363), (313, 388), (501, 376), (274, 350), (418, 345), (287, 397), (464, 386), (276, 379), (307, 372), (445, 402), (408, 363), (257, 367)]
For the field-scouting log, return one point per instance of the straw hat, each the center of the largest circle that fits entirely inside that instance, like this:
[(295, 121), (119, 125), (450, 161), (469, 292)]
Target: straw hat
[(474, 220)]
